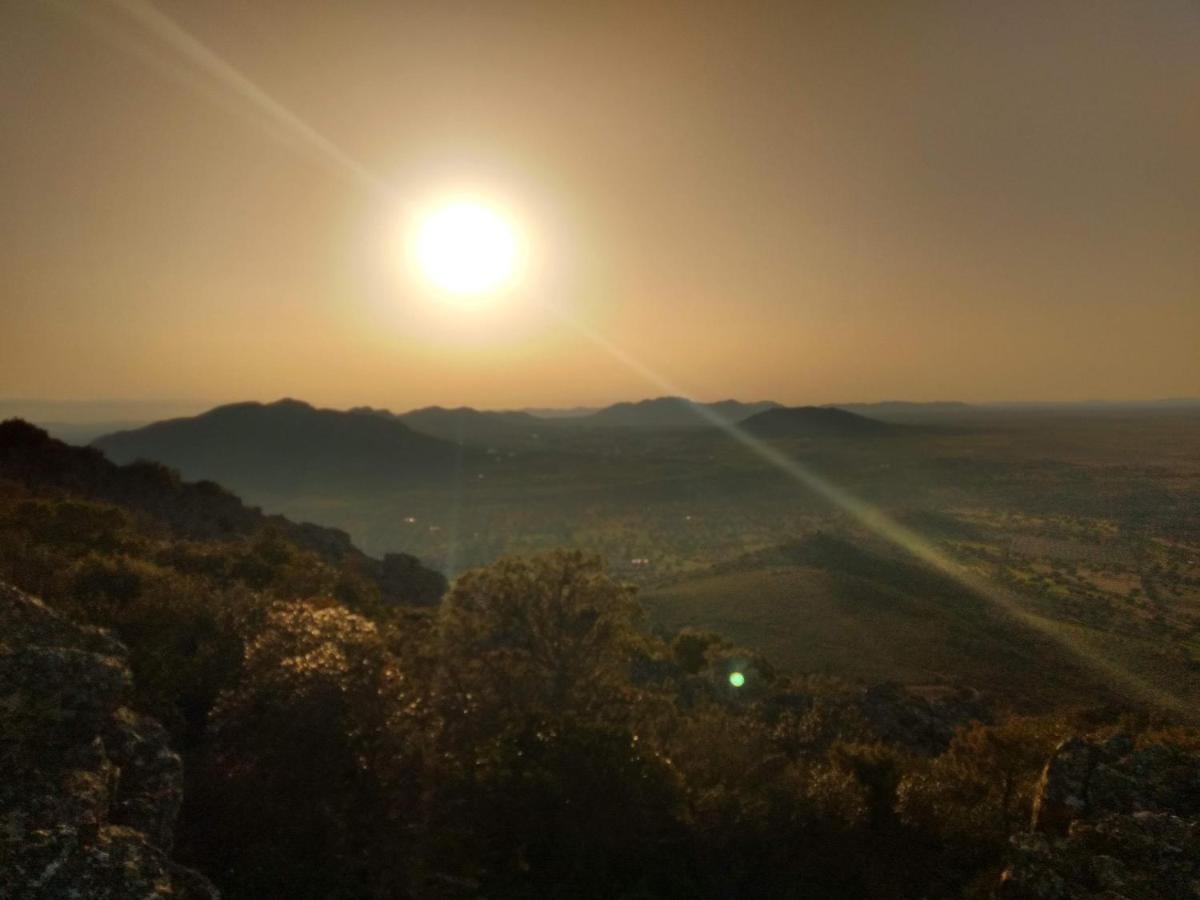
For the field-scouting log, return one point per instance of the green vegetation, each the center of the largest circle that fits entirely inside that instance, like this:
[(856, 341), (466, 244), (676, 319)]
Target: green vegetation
[(1088, 520), (535, 734)]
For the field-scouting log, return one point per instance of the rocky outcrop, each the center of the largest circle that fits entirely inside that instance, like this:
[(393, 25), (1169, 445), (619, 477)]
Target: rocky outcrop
[(90, 789), (920, 723), (1111, 820)]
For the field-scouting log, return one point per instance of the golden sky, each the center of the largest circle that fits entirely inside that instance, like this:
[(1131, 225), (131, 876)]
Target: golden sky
[(808, 202)]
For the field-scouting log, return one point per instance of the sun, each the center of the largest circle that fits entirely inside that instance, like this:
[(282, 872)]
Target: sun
[(467, 248)]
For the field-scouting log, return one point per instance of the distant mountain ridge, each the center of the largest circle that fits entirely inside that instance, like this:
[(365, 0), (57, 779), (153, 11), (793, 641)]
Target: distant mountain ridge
[(673, 412), (464, 425), (260, 449), (814, 421), (559, 412), (903, 409)]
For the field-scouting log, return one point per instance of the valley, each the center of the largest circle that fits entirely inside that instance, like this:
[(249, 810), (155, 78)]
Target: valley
[(1089, 519)]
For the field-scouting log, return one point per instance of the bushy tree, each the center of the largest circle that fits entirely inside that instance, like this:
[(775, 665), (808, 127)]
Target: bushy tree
[(550, 636), (691, 647), (291, 782), (966, 802), (982, 786), (542, 780)]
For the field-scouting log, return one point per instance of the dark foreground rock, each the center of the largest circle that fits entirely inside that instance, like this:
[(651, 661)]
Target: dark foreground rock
[(90, 789), (1111, 821), (922, 723)]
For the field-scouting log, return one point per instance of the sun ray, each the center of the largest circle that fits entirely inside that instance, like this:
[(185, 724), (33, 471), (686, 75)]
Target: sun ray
[(204, 60), (874, 519), (884, 526)]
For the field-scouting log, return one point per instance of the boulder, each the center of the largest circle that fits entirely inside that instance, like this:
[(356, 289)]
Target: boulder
[(1111, 820), (90, 789), (918, 723)]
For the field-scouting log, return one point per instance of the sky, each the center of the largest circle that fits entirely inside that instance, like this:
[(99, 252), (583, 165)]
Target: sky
[(808, 202)]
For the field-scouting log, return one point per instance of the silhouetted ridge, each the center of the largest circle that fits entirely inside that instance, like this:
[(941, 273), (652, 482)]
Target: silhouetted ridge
[(464, 425), (813, 421), (261, 449), (673, 412)]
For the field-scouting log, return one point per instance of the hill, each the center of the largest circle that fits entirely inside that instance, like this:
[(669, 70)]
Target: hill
[(559, 412), (288, 447), (813, 421), (203, 511), (465, 425), (672, 412), (824, 604)]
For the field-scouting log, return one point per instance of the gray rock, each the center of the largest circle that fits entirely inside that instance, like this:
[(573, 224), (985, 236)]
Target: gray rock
[(1111, 821), (90, 789)]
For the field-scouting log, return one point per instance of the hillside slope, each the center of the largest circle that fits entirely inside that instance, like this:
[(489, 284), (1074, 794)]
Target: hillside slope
[(813, 421), (288, 446), (826, 605), (464, 425), (201, 511)]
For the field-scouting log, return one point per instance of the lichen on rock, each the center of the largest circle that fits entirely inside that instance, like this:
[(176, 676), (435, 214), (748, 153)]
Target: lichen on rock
[(90, 789), (1111, 820)]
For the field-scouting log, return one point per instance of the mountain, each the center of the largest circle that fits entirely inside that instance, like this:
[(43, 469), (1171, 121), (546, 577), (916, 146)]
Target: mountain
[(465, 425), (672, 412), (559, 412), (288, 446), (83, 433), (813, 421), (201, 511)]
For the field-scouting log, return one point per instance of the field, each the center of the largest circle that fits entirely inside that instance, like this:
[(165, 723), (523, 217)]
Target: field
[(1088, 521)]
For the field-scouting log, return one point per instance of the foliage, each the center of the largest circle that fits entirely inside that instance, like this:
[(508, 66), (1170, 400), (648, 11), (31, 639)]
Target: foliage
[(527, 736), (971, 798), (289, 777)]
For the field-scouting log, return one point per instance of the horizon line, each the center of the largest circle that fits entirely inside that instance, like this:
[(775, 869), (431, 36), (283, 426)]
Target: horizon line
[(201, 406)]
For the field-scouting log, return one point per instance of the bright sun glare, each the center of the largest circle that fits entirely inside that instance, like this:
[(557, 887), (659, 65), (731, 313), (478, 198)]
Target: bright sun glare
[(467, 248)]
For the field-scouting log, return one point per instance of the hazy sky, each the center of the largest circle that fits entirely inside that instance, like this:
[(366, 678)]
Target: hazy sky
[(812, 202)]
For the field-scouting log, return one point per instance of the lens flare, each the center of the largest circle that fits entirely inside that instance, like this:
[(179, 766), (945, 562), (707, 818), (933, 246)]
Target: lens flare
[(485, 254)]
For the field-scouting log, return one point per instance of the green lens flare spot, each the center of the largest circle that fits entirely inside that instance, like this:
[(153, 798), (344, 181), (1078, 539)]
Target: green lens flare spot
[(737, 679)]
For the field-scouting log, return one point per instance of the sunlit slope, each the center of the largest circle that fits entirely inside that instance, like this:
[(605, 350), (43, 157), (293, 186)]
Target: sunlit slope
[(824, 605)]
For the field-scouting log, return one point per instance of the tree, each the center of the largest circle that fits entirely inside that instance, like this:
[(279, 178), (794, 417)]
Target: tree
[(543, 786), (547, 637), (291, 786), (971, 798)]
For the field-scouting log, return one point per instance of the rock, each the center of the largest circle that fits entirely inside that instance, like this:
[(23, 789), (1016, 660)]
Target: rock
[(1111, 821), (1061, 794), (1084, 778), (920, 724), (90, 789)]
